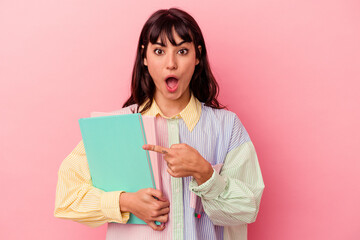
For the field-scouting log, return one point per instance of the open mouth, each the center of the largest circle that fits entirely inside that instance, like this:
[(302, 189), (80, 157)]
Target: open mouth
[(172, 84)]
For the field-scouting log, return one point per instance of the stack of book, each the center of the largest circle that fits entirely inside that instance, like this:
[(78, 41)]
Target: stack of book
[(113, 146)]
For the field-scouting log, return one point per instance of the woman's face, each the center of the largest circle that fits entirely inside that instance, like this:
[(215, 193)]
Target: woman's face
[(171, 68)]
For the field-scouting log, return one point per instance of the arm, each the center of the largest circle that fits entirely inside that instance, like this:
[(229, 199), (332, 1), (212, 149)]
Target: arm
[(229, 198), (78, 200), (233, 196)]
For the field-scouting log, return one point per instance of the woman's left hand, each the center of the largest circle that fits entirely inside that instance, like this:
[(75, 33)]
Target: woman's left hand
[(183, 161)]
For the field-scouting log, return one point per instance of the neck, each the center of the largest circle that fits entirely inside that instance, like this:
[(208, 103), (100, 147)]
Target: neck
[(173, 107)]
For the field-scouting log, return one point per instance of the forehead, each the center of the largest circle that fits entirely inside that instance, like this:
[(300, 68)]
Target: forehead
[(165, 41)]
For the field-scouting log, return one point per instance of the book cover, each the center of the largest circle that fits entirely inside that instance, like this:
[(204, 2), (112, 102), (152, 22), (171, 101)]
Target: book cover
[(113, 145)]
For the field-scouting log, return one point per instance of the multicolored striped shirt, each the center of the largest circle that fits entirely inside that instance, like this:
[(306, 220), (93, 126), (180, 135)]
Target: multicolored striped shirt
[(220, 208)]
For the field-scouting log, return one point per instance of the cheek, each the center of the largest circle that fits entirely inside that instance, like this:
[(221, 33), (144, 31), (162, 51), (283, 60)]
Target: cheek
[(190, 68), (153, 68)]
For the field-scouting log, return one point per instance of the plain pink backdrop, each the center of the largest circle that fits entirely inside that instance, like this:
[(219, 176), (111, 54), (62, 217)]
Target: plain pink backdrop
[(289, 69)]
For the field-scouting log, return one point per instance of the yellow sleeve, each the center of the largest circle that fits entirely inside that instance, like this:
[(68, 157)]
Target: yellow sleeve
[(77, 199)]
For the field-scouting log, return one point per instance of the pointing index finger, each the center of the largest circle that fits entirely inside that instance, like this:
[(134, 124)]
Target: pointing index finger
[(155, 148)]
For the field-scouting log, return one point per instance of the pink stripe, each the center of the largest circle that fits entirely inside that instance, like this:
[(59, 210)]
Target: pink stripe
[(150, 131)]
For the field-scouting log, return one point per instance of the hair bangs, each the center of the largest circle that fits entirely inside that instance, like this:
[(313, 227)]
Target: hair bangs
[(162, 28)]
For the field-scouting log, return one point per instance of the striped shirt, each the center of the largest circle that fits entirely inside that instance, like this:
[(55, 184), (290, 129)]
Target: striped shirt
[(226, 203)]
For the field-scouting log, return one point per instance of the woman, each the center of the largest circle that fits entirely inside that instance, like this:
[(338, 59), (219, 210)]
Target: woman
[(211, 183)]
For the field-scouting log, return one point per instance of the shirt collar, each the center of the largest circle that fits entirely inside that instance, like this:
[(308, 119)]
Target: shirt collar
[(190, 114)]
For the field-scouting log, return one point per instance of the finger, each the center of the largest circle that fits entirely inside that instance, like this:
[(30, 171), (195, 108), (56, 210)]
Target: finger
[(178, 145), (168, 164), (163, 204), (159, 205), (156, 227), (168, 159), (162, 218), (164, 211), (171, 172), (157, 194), (154, 214), (156, 148)]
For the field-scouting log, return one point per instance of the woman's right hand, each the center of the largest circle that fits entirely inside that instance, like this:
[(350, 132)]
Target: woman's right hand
[(143, 205)]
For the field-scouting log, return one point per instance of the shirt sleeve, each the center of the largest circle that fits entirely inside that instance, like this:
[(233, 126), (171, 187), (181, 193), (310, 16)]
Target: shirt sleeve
[(233, 196), (77, 199)]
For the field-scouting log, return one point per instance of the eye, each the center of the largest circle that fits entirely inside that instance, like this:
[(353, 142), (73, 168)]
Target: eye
[(183, 51), (158, 51)]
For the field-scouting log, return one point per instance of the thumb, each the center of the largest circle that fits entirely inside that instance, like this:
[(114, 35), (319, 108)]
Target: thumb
[(156, 227)]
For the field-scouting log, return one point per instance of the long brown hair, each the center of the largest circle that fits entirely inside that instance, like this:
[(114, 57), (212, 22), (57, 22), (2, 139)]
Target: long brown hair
[(203, 84)]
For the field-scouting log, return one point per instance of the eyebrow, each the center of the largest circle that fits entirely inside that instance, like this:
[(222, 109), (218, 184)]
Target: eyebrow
[(163, 45)]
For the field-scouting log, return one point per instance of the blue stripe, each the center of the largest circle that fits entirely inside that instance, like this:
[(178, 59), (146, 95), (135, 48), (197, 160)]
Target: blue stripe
[(217, 132)]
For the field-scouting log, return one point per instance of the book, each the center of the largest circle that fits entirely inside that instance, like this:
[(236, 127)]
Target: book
[(150, 133), (113, 146)]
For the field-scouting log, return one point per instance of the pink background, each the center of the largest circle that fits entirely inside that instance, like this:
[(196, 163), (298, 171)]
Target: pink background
[(289, 69)]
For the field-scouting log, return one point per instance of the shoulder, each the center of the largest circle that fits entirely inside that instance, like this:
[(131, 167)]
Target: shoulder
[(228, 121), (219, 115)]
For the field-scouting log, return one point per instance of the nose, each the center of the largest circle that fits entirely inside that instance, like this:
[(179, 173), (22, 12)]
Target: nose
[(171, 62)]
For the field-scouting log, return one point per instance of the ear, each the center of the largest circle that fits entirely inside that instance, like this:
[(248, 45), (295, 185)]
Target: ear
[(197, 60)]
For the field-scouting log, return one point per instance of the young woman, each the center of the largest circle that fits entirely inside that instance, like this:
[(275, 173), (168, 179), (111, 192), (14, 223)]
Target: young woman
[(211, 183)]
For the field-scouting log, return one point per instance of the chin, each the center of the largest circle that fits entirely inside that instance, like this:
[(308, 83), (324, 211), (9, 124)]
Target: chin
[(173, 97)]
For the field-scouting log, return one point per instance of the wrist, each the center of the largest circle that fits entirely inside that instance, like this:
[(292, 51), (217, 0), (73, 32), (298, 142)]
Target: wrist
[(204, 173), (124, 202)]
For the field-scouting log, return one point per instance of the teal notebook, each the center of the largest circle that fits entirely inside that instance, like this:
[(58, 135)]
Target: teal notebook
[(113, 146)]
